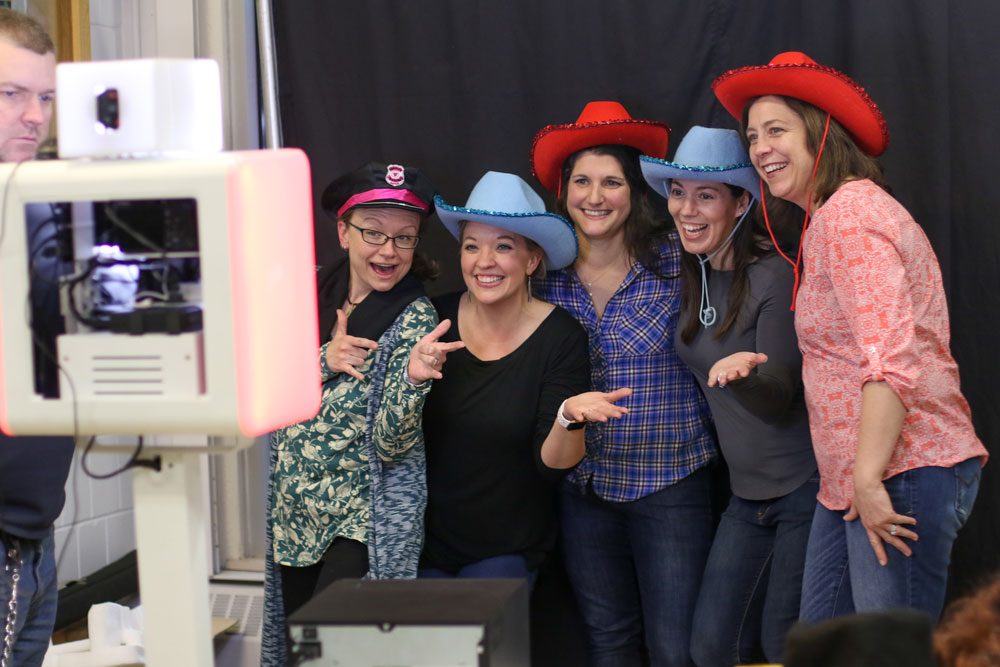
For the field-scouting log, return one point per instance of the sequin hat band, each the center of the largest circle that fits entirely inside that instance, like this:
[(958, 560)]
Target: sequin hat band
[(599, 124), (794, 74), (506, 201)]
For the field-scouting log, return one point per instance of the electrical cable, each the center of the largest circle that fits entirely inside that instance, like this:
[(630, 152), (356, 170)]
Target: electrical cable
[(134, 462)]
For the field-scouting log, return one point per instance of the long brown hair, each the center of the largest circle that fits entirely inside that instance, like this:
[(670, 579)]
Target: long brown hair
[(747, 247), (841, 160), (643, 233)]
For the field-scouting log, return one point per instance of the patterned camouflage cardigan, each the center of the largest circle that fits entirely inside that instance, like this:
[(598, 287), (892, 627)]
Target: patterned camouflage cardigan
[(389, 452)]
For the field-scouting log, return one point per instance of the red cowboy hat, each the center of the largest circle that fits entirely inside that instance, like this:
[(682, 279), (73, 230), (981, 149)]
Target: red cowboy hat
[(795, 74), (600, 123)]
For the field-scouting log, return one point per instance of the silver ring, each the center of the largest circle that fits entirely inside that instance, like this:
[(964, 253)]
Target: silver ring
[(718, 379), (892, 529)]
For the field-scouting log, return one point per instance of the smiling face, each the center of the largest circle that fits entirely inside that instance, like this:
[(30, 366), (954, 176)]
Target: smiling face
[(377, 267), (705, 213), (496, 263), (779, 149), (27, 92), (598, 196)]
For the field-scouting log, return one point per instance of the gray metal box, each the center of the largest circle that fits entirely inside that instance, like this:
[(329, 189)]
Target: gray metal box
[(415, 623)]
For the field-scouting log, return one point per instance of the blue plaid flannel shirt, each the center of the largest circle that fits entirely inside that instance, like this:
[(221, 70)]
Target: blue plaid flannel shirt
[(667, 433)]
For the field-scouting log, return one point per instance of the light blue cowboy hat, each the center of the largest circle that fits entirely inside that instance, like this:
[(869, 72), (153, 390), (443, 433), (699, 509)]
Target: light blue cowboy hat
[(705, 154), (506, 201)]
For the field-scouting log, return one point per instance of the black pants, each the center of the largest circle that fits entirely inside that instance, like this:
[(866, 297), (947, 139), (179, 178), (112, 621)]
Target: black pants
[(345, 559)]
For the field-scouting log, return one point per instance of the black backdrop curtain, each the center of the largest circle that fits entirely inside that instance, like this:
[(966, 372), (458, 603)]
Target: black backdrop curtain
[(459, 87)]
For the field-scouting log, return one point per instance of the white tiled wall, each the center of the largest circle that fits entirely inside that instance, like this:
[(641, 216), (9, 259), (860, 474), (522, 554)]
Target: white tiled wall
[(108, 40), (96, 526)]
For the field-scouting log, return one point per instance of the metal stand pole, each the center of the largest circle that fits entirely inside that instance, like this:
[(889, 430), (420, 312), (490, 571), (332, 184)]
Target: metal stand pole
[(170, 515)]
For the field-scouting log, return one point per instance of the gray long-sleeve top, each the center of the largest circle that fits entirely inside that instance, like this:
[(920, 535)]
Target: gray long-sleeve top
[(761, 420)]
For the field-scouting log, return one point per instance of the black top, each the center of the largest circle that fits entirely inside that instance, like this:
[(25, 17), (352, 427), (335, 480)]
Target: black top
[(489, 494), (761, 419), (33, 471)]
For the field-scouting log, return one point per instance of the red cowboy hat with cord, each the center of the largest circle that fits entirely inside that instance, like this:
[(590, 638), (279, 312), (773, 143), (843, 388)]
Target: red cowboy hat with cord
[(794, 74), (600, 123)]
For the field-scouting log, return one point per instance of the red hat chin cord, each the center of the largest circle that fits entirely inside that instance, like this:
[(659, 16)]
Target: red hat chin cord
[(805, 224)]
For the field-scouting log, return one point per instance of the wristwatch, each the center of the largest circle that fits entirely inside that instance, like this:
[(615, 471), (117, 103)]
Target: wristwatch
[(566, 423)]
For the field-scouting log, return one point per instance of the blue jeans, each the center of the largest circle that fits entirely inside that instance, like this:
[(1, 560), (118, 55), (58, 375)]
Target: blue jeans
[(636, 567), (753, 580), (37, 593), (842, 575), (509, 566)]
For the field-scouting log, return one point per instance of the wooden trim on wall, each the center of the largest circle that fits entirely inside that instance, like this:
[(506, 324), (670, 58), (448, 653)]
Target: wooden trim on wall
[(73, 30)]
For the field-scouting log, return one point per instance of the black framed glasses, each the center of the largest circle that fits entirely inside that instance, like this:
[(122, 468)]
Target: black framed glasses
[(375, 237)]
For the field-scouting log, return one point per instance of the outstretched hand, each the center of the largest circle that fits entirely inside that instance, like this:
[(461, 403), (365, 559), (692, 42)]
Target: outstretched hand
[(596, 406), (428, 355), (734, 367), (345, 353)]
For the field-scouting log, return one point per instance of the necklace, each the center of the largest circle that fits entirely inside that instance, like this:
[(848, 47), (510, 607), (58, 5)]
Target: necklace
[(596, 279), (351, 306)]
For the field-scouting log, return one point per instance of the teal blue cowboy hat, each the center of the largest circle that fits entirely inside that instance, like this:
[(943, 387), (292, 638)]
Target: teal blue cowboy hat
[(506, 201), (705, 154)]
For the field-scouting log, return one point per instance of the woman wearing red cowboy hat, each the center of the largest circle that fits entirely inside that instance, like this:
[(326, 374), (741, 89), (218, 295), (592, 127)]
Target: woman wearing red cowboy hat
[(897, 453), (636, 512)]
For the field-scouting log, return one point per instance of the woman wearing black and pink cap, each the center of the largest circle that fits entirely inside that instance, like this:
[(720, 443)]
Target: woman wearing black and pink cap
[(348, 487), (893, 437)]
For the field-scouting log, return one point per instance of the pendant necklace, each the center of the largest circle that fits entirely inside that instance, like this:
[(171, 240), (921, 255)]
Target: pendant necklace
[(597, 278)]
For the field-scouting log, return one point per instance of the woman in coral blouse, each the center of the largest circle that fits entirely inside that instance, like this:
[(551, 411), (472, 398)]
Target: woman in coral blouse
[(898, 457)]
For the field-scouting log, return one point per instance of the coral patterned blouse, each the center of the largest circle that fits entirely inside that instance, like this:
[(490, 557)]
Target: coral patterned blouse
[(871, 307)]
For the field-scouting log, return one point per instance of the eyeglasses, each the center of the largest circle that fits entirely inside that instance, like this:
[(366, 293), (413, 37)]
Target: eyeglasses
[(375, 237)]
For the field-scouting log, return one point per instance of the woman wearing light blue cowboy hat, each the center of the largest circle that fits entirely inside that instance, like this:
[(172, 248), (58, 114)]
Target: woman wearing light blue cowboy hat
[(504, 422), (737, 336)]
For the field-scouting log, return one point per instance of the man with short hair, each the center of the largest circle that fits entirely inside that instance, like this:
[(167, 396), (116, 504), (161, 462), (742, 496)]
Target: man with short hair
[(27, 86), (33, 470)]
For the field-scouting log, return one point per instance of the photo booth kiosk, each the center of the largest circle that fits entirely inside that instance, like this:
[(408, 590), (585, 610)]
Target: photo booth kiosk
[(158, 287)]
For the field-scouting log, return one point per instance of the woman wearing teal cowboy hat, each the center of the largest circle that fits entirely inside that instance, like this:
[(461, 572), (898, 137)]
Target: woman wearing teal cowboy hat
[(737, 336), (504, 423)]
